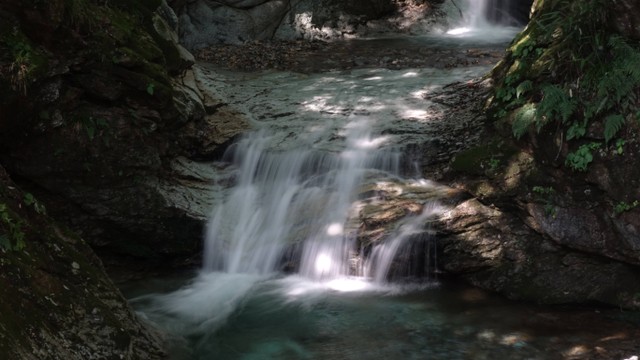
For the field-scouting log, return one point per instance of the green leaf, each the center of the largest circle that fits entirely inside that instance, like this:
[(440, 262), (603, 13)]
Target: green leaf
[(20, 244), (29, 199), (612, 124), (581, 158), (576, 131), (524, 86), (151, 89), (4, 242), (91, 132), (524, 118), (620, 146), (101, 122)]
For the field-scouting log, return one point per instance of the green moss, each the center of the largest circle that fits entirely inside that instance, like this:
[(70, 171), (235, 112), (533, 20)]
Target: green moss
[(145, 46), (569, 69), (21, 61), (483, 158)]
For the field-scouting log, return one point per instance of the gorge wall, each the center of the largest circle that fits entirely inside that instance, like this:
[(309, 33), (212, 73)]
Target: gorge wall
[(103, 117)]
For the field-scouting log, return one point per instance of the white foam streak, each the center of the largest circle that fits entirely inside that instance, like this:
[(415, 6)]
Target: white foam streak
[(383, 254)]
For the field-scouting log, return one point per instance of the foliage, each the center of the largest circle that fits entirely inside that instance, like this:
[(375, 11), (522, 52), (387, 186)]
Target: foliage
[(545, 194), (91, 126), (624, 206), (620, 146), (581, 158), (30, 200), (12, 236), (567, 68), (24, 61)]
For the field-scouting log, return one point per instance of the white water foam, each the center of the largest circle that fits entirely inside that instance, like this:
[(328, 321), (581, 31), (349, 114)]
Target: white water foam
[(474, 24)]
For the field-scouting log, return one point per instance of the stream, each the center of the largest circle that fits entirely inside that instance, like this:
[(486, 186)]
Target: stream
[(285, 275)]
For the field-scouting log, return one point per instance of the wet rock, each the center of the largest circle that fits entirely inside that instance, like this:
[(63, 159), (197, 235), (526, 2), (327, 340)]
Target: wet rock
[(107, 133), (495, 250), (203, 23)]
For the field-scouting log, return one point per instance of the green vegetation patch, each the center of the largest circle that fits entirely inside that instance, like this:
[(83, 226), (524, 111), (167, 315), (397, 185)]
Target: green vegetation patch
[(570, 70), (21, 61), (484, 158)]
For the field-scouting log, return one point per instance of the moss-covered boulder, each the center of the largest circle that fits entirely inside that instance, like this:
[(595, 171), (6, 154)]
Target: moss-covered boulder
[(98, 100), (558, 212), (56, 301)]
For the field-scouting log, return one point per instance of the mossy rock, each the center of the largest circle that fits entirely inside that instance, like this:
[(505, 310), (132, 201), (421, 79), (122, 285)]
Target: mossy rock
[(142, 7), (483, 158), (143, 82), (146, 46)]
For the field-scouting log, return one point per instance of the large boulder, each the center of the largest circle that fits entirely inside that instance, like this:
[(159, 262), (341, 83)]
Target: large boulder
[(56, 300), (558, 210), (94, 128), (204, 23)]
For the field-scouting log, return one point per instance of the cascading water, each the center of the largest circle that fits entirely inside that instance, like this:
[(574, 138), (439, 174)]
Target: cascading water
[(484, 20), (301, 181), (296, 199), (382, 255)]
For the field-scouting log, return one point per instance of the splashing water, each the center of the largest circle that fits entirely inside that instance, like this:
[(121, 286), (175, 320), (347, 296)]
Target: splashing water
[(293, 200), (383, 254), (475, 23)]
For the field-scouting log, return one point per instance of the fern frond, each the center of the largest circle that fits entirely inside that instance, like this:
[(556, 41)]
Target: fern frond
[(524, 87), (612, 124), (524, 118), (556, 102)]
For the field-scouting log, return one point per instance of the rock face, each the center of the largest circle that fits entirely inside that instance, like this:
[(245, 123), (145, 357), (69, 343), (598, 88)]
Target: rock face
[(94, 132), (204, 23), (542, 229), (496, 250), (56, 300)]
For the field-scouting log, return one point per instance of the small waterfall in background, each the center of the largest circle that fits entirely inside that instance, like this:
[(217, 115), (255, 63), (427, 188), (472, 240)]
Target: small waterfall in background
[(485, 20)]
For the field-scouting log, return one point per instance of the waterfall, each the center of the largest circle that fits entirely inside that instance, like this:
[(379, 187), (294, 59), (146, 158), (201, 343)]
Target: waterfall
[(378, 265), (485, 20), (477, 13), (288, 200)]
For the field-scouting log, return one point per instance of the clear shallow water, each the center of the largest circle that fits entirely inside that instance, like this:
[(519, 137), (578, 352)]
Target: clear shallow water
[(226, 316)]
